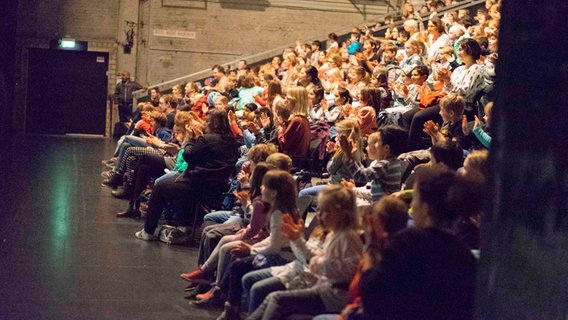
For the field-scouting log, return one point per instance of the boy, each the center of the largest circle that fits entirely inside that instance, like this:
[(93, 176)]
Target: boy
[(385, 172), (451, 111)]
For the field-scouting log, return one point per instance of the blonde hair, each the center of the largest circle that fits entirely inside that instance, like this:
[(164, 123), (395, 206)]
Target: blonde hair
[(280, 160), (350, 128), (341, 202), (299, 97)]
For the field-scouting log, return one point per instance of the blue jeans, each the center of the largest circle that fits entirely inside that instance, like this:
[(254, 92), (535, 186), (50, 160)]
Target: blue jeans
[(222, 217), (257, 285), (311, 191), (167, 176)]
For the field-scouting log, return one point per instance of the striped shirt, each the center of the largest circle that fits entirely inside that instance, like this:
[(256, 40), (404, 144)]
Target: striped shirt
[(385, 175)]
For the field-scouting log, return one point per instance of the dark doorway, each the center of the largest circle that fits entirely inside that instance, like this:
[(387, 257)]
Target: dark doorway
[(66, 92)]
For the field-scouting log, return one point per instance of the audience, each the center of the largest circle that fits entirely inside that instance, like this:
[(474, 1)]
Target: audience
[(371, 108)]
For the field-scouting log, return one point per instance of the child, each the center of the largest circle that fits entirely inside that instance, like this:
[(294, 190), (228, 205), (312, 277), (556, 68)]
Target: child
[(387, 217), (335, 264), (280, 192), (385, 173), (451, 111), (253, 231)]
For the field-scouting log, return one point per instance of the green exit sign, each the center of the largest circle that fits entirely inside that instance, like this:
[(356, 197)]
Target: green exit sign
[(67, 44)]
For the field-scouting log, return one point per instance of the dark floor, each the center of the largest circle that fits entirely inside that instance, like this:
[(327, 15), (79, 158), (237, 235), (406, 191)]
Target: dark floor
[(64, 255)]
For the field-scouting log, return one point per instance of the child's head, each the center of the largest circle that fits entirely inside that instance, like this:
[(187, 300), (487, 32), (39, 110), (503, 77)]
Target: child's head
[(487, 113), (451, 107), (403, 36), (476, 165), (419, 74), (389, 52), (280, 191), (282, 109), (349, 128), (429, 199), (337, 208), (371, 97), (146, 110), (342, 97), (249, 107), (448, 153), (257, 176), (247, 81), (389, 141), (259, 152), (280, 160), (388, 216), (220, 102)]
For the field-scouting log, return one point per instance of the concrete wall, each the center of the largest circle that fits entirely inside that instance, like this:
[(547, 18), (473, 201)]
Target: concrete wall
[(208, 32), (225, 33)]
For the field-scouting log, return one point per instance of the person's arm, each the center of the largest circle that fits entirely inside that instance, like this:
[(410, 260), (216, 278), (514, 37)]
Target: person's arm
[(332, 115), (473, 80), (362, 174), (257, 220), (481, 135), (196, 152)]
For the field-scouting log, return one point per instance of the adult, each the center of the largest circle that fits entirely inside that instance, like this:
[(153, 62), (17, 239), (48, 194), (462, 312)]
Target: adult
[(155, 96), (425, 272), (220, 78), (123, 96), (211, 158), (437, 38)]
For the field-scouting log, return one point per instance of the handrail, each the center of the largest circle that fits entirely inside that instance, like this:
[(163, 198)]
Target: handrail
[(265, 56)]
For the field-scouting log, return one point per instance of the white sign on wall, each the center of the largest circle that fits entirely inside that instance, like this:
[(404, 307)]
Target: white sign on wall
[(174, 33)]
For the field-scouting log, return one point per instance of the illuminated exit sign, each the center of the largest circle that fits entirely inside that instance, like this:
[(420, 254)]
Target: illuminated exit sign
[(68, 44)]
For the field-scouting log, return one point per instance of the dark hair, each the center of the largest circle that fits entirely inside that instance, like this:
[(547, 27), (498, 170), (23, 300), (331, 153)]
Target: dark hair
[(332, 36), (345, 95), (246, 81), (258, 173), (395, 137), (448, 152), (154, 88), (404, 33), (313, 73), (471, 48), (218, 68), (267, 77), (218, 122), (393, 214), (316, 43), (422, 70), (319, 93), (251, 106), (433, 186), (371, 96)]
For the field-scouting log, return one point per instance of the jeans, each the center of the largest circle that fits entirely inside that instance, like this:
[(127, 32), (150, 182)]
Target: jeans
[(222, 217), (311, 191), (282, 304), (259, 284)]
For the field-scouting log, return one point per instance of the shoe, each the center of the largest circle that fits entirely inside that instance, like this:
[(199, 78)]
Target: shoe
[(194, 275), (230, 312), (114, 180), (110, 165), (143, 235), (121, 193), (213, 298), (128, 214), (107, 174)]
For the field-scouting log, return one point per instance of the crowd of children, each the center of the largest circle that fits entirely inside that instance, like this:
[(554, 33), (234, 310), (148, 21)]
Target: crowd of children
[(400, 126)]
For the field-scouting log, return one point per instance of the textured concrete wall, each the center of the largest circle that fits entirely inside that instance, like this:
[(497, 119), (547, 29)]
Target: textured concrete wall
[(224, 30), (223, 34)]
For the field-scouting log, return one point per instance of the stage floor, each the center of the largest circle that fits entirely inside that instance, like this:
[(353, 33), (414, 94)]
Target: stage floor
[(64, 255)]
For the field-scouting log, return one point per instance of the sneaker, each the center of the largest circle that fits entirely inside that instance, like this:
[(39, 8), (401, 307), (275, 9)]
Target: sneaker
[(143, 235), (194, 275)]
